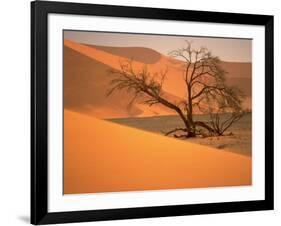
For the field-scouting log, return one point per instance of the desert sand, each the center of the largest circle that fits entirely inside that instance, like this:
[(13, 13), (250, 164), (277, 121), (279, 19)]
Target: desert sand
[(237, 139), (86, 79), (101, 156)]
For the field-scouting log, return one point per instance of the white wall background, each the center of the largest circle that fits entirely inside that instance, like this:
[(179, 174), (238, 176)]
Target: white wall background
[(15, 113)]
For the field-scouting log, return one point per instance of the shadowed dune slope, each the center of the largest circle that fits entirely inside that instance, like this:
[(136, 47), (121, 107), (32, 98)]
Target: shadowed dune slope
[(240, 74), (137, 160), (245, 85), (86, 80), (238, 69), (173, 82), (141, 54), (85, 85), (150, 56)]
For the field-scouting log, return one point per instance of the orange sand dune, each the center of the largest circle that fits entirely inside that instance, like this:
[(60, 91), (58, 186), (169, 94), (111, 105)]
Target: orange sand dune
[(173, 83), (238, 69), (86, 70), (100, 156), (141, 54), (86, 81)]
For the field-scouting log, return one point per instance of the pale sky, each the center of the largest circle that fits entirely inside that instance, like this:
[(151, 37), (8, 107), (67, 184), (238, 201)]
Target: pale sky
[(232, 50)]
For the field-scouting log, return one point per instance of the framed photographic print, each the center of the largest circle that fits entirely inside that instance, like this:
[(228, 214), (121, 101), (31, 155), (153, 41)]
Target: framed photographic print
[(145, 112)]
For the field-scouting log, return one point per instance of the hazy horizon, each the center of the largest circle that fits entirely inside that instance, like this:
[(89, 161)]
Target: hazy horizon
[(228, 49)]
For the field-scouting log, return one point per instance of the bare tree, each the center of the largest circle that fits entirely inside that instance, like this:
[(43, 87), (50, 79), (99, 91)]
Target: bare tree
[(204, 81), (223, 109)]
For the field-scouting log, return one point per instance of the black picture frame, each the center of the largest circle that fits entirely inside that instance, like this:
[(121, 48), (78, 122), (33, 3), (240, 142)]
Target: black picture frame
[(39, 112)]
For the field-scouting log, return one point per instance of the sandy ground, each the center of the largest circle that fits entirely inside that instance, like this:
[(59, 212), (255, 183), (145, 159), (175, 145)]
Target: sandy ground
[(101, 156), (236, 143), (240, 140)]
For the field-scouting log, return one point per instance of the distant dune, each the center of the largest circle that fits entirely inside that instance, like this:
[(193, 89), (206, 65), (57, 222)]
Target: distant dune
[(85, 85), (86, 79), (238, 69), (128, 162), (240, 75), (140, 54), (245, 84)]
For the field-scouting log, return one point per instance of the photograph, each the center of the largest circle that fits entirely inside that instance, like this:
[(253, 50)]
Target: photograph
[(140, 112), (155, 112)]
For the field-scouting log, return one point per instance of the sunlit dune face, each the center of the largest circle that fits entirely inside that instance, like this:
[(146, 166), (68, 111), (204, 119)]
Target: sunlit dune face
[(104, 157)]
